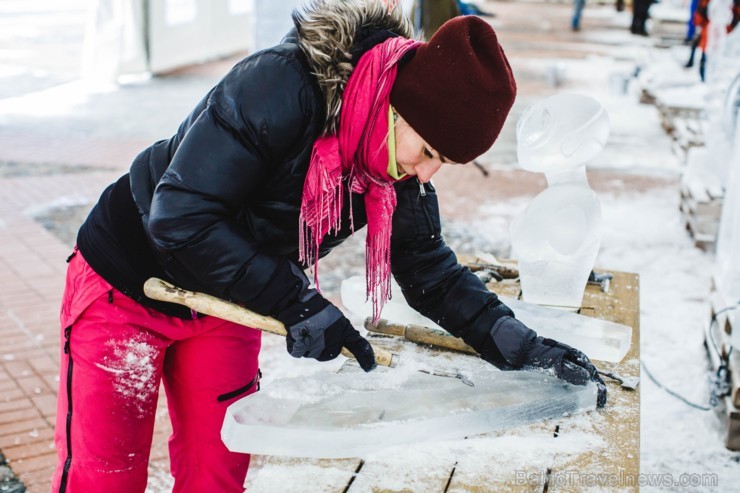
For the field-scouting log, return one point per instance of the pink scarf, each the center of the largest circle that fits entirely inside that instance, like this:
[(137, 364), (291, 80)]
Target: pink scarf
[(360, 153)]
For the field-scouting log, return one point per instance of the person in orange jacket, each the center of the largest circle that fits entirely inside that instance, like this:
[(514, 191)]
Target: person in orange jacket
[(702, 21)]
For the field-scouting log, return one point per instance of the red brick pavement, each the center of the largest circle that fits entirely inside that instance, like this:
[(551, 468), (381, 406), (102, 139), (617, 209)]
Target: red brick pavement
[(106, 152)]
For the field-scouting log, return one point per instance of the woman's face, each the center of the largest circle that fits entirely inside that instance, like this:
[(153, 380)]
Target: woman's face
[(413, 155)]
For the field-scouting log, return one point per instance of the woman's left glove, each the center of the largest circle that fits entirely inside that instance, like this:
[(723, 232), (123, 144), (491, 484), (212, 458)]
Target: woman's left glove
[(568, 363), (318, 329), (511, 345)]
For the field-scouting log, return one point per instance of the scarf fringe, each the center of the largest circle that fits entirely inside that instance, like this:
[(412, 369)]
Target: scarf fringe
[(322, 212), (378, 274), (378, 244)]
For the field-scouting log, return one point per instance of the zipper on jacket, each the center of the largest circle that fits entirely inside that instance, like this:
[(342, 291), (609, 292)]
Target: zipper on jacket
[(72, 255), (423, 194), (68, 462)]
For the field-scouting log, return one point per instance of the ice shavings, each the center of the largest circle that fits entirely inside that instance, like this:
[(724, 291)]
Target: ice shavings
[(298, 475), (134, 372), (533, 447)]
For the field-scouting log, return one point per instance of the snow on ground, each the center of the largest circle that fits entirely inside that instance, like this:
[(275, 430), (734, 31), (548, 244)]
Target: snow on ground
[(674, 284)]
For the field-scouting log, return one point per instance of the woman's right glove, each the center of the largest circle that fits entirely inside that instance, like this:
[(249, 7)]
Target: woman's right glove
[(318, 329), (512, 345)]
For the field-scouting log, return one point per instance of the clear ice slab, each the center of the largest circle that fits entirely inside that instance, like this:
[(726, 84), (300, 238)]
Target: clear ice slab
[(598, 339), (353, 414)]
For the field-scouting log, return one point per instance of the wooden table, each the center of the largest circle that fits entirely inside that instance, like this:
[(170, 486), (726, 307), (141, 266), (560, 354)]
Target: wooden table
[(548, 456)]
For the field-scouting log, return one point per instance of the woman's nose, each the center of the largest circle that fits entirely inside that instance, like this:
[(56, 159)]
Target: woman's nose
[(427, 169)]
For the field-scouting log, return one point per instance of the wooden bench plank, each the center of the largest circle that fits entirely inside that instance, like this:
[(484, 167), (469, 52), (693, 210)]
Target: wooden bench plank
[(619, 460)]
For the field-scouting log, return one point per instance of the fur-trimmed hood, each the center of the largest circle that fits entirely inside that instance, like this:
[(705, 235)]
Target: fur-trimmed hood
[(326, 33)]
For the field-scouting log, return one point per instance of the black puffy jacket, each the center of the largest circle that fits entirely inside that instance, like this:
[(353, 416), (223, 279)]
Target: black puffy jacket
[(215, 208)]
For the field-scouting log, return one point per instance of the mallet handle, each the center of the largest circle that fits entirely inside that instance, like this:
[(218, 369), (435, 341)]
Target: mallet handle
[(420, 335), (206, 304)]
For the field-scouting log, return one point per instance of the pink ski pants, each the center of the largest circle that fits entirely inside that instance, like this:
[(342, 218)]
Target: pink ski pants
[(115, 353)]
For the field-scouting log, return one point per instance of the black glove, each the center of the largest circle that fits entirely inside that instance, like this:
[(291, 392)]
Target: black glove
[(512, 345), (568, 364), (317, 329)]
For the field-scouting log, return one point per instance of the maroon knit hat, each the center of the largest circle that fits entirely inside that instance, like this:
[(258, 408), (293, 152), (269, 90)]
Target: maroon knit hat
[(457, 89)]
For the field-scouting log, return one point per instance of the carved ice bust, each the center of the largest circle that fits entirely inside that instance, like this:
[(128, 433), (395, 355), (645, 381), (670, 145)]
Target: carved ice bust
[(557, 237)]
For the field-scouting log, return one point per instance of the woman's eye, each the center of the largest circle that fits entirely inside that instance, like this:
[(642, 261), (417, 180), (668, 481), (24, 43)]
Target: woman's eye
[(428, 153)]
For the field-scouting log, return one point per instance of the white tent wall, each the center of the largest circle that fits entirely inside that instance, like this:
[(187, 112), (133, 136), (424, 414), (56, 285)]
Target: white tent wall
[(184, 32), (137, 36), (157, 36), (115, 40)]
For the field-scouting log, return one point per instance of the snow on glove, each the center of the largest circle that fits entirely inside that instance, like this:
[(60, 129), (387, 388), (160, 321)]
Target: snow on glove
[(521, 347), (318, 329)]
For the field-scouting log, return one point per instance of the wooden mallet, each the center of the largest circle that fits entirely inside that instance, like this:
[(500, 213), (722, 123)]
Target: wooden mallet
[(206, 304)]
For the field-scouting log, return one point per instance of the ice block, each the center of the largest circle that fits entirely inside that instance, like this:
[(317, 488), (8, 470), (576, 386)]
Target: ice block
[(598, 339), (348, 414)]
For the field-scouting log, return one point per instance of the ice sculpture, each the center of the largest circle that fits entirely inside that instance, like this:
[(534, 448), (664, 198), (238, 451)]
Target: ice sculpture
[(599, 339), (557, 237), (353, 414), (728, 240)]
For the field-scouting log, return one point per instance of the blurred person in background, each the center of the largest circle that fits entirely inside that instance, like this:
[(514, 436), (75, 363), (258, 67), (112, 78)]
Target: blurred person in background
[(640, 15), (575, 22), (428, 15), (701, 22)]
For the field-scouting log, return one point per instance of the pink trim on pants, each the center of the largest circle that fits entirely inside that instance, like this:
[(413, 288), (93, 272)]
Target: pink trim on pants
[(115, 353)]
